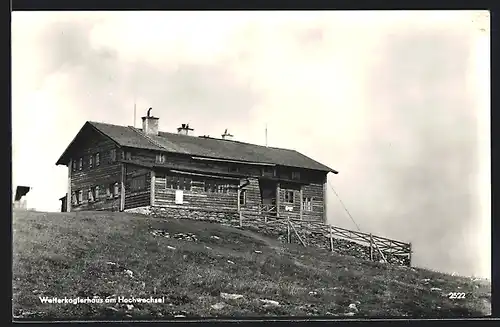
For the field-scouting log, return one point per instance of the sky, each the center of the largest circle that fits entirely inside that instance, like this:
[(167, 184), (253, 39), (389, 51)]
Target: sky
[(396, 101)]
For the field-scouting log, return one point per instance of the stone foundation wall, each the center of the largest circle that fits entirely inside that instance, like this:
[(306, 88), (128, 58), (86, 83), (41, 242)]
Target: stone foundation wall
[(204, 215), (273, 229)]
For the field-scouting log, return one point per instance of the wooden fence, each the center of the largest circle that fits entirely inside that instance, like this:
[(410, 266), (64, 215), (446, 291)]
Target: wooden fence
[(379, 247)]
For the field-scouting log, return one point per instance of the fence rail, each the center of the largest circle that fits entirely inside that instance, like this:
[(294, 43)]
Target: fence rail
[(378, 246), (267, 208)]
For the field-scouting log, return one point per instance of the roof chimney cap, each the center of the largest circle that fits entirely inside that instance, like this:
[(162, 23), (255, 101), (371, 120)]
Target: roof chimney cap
[(149, 111)]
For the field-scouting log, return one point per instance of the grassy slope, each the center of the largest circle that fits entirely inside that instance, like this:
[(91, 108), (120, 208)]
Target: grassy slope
[(67, 255)]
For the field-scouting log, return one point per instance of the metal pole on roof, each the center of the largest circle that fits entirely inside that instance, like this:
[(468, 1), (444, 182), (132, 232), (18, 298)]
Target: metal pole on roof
[(135, 112), (134, 86), (266, 134)]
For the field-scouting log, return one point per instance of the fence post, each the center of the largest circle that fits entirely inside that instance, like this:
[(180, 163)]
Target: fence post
[(241, 220), (331, 238), (288, 229), (371, 247), (265, 219)]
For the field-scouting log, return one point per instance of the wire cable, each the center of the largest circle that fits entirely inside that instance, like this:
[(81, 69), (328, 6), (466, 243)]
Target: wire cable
[(343, 205)]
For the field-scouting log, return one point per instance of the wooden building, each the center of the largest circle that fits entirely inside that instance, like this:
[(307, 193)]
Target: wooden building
[(64, 205), (20, 198), (118, 168)]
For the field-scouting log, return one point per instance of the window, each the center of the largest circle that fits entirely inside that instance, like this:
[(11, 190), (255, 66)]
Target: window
[(295, 175), (289, 196), (80, 165), (187, 183), (170, 182), (218, 186), (128, 155), (243, 197), (74, 199), (160, 158), (94, 194), (138, 183), (210, 186), (91, 161), (112, 155), (112, 190), (80, 197), (285, 174), (97, 161), (74, 165), (268, 171), (116, 190), (178, 183), (307, 204)]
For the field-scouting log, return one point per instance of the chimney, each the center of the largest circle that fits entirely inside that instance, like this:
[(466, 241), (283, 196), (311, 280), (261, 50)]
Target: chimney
[(150, 124), (226, 135), (185, 129)]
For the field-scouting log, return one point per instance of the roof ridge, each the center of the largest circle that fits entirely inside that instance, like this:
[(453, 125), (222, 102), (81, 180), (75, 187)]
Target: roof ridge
[(233, 141), (150, 140)]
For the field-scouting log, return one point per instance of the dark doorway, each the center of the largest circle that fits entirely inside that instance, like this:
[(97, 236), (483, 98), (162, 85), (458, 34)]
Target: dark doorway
[(268, 196)]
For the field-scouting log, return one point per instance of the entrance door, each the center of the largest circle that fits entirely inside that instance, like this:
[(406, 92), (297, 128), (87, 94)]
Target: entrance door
[(268, 196)]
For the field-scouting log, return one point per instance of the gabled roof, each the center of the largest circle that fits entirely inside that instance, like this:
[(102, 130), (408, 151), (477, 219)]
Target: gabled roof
[(128, 136), (21, 191)]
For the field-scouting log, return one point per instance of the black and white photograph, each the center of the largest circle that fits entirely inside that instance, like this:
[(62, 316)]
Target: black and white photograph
[(185, 165)]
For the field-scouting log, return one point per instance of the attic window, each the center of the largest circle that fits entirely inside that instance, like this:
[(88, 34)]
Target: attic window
[(295, 175), (73, 163), (268, 171), (97, 159), (128, 155), (160, 158), (80, 165), (91, 161)]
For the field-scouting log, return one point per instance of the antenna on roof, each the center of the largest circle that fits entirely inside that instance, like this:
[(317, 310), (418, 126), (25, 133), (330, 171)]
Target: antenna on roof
[(135, 112), (135, 107), (266, 134)]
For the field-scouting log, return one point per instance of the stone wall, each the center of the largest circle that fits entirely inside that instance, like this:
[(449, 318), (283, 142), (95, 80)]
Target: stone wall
[(276, 229)]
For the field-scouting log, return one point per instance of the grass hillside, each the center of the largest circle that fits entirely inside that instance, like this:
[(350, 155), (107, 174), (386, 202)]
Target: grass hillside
[(201, 269)]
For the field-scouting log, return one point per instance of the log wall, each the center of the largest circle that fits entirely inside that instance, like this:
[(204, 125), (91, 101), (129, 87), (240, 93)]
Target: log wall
[(101, 175)]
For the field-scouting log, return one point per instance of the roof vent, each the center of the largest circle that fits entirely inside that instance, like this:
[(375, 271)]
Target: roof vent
[(226, 135)]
